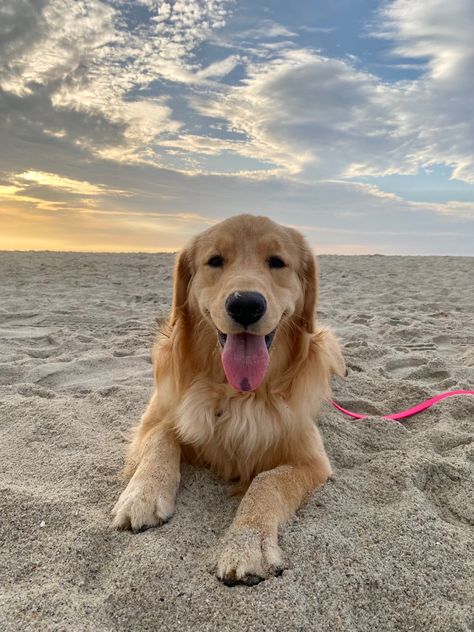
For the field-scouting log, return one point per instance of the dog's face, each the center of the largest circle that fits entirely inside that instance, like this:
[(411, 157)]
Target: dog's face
[(246, 276)]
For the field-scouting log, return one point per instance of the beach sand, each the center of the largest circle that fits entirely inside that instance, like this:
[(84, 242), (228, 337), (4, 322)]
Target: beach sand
[(386, 545)]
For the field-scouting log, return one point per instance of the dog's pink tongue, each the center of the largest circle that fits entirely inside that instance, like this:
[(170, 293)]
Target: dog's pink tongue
[(245, 359)]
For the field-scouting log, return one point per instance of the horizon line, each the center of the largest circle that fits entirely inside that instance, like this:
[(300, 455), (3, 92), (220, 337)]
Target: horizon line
[(174, 252)]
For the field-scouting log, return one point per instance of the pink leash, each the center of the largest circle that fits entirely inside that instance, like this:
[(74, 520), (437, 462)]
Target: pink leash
[(410, 411)]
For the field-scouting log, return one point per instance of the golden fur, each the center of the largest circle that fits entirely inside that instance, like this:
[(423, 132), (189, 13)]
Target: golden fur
[(265, 441)]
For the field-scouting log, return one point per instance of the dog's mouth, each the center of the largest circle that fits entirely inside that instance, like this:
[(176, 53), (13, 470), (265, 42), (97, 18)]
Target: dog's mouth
[(268, 338), (245, 358)]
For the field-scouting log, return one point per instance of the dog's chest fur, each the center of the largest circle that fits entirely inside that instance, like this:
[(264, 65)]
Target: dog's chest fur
[(238, 434)]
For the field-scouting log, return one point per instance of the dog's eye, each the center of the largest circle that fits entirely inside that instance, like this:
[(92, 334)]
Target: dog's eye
[(216, 261), (276, 262)]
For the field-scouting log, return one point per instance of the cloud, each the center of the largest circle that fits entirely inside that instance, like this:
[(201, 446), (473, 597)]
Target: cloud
[(67, 35), (437, 108), (317, 116), (318, 29), (219, 68), (118, 111), (165, 208), (38, 194), (267, 29), (298, 112), (70, 185), (84, 58), (309, 113)]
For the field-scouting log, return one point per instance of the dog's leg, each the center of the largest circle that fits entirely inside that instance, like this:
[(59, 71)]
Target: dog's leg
[(250, 551), (149, 499)]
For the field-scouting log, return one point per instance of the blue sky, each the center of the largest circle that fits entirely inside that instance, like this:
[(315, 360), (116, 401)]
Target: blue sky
[(130, 126)]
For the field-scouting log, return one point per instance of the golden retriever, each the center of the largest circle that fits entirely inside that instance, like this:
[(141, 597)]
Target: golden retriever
[(240, 370)]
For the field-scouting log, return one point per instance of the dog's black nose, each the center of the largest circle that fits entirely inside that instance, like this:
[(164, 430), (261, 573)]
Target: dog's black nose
[(246, 307)]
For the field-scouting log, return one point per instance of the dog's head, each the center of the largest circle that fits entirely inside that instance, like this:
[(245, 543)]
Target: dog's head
[(246, 277)]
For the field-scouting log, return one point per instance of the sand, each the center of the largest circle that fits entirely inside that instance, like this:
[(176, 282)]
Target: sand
[(386, 545)]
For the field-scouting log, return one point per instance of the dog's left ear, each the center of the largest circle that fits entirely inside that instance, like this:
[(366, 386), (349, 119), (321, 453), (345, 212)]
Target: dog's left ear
[(309, 282), (183, 273)]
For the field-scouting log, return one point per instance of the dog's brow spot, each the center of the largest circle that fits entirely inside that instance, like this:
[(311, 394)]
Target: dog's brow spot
[(244, 384)]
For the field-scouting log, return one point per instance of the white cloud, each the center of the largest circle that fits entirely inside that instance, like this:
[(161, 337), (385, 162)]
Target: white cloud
[(83, 53), (68, 35), (219, 68), (455, 209), (315, 116), (320, 117), (84, 90), (52, 192), (437, 109), (55, 181), (300, 112), (306, 112), (267, 29)]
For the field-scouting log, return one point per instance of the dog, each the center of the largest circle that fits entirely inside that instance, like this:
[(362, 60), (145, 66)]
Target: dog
[(240, 370)]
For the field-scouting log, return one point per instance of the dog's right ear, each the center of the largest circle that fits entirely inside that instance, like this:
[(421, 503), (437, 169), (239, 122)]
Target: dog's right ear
[(183, 273)]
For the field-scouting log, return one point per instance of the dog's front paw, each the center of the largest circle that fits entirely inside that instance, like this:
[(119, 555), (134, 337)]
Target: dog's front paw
[(141, 506), (248, 557)]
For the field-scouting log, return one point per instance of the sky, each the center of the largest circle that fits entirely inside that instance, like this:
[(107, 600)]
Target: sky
[(133, 125)]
